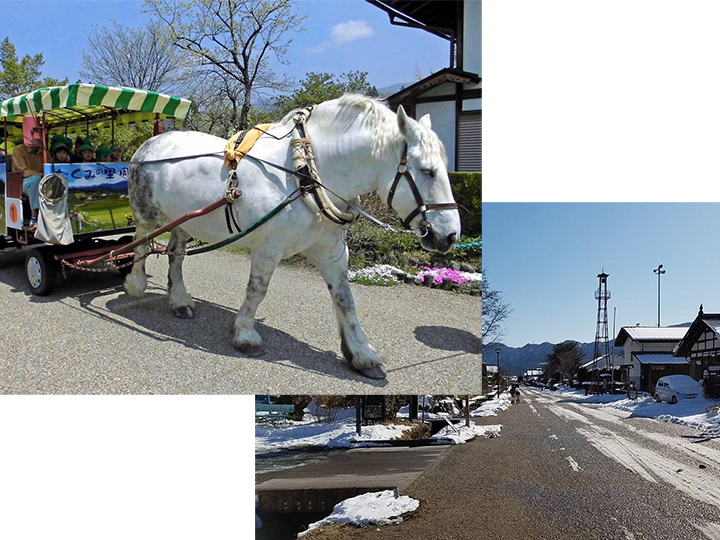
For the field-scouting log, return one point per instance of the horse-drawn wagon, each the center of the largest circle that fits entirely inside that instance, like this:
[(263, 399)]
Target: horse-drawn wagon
[(198, 186), (85, 210)]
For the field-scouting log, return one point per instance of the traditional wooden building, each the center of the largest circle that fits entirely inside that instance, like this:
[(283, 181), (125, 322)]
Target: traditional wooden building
[(648, 352), (453, 95), (701, 348)]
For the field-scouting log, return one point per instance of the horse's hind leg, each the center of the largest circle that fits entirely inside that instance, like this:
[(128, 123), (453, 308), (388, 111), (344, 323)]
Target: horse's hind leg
[(244, 335), (332, 261), (136, 280), (182, 304)]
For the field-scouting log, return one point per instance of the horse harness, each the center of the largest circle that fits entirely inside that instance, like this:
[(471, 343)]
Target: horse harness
[(307, 178), (422, 208)]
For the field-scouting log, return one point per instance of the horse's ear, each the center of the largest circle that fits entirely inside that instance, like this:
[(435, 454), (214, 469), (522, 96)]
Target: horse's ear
[(406, 125), (425, 122)]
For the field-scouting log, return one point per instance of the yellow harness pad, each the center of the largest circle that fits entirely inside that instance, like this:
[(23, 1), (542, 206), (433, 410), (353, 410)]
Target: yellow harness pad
[(234, 154)]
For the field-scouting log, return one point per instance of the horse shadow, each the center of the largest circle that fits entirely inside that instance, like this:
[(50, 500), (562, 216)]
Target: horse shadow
[(445, 338), (209, 332)]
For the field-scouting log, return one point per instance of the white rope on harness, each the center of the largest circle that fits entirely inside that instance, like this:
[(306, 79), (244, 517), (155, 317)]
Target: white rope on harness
[(304, 158)]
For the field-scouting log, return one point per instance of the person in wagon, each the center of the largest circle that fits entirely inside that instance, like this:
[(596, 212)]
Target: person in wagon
[(86, 152), (116, 154), (60, 149), (103, 154), (28, 159)]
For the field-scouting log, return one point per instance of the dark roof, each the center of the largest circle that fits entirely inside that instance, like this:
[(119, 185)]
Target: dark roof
[(444, 75), (438, 17), (702, 323)]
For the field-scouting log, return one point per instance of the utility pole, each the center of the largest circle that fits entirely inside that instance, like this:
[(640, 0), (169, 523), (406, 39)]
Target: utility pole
[(659, 271), (497, 351)]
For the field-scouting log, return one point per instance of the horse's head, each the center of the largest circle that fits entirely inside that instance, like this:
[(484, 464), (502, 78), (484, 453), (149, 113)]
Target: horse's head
[(420, 192)]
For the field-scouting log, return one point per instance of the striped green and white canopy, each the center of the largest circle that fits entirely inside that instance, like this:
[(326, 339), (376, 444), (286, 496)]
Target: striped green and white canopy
[(82, 103)]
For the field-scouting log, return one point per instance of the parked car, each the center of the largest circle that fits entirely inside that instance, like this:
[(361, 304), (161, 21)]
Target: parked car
[(674, 387)]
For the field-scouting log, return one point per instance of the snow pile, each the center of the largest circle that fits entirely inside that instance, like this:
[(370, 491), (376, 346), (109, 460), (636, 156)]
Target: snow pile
[(384, 272), (459, 433), (379, 508), (492, 407), (698, 413), (339, 434)]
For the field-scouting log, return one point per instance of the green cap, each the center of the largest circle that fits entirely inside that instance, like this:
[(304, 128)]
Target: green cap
[(102, 151), (86, 146)]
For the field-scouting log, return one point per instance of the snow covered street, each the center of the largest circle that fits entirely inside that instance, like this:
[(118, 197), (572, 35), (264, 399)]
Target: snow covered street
[(668, 468)]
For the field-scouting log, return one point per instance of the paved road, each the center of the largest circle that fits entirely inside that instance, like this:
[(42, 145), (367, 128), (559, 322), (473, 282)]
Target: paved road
[(562, 470), (89, 337)]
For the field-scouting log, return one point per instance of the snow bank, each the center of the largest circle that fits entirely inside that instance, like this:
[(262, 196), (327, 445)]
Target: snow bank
[(493, 406), (339, 434), (459, 433), (699, 413), (379, 508)]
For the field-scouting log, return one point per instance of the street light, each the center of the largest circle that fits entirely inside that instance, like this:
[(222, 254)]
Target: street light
[(497, 378), (659, 271)]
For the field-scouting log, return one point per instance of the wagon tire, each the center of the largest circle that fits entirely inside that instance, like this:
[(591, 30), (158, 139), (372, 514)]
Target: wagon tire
[(41, 271), (673, 399)]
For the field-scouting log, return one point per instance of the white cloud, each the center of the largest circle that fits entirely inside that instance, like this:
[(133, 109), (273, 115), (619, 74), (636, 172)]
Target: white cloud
[(348, 31), (344, 32)]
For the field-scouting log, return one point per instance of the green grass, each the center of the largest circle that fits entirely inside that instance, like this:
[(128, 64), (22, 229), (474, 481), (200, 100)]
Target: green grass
[(376, 281)]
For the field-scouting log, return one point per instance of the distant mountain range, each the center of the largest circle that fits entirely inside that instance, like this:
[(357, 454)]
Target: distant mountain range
[(517, 360)]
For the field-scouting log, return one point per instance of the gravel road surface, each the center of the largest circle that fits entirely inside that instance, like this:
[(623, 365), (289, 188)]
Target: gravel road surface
[(561, 470), (89, 337)]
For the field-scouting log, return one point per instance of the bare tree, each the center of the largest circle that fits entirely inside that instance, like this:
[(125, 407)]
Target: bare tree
[(495, 311), (232, 42), (134, 57)]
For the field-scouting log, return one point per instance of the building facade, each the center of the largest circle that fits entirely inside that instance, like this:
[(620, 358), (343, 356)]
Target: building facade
[(700, 347), (648, 353), (452, 96)]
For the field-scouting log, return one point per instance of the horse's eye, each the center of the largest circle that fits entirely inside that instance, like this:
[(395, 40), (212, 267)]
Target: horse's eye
[(428, 172)]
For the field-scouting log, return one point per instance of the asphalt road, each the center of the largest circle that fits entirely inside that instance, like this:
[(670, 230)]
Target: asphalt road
[(561, 470), (89, 337)]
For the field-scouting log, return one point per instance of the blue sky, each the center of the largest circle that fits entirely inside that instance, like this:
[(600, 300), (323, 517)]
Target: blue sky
[(389, 54), (545, 258)]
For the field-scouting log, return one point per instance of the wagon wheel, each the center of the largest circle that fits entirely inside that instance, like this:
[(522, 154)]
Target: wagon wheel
[(41, 271)]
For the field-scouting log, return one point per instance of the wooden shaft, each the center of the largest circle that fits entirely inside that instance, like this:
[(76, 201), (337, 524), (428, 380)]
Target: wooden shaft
[(157, 232)]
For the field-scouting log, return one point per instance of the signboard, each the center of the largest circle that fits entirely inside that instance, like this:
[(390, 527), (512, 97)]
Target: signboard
[(97, 195), (373, 408), (97, 176)]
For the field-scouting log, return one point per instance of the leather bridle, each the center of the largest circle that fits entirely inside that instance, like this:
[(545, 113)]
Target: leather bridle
[(422, 208)]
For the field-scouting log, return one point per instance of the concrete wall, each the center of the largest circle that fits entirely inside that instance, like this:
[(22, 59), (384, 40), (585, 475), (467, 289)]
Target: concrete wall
[(442, 115), (472, 36)]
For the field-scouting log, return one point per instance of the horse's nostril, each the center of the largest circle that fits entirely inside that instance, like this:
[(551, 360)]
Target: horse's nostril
[(451, 238)]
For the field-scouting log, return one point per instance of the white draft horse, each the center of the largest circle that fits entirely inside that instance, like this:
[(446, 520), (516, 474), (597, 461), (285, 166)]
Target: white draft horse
[(358, 143)]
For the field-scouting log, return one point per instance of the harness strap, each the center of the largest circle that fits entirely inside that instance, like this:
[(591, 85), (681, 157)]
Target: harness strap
[(422, 208)]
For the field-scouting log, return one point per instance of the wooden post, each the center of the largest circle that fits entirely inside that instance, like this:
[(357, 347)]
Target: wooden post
[(112, 219), (467, 411), (358, 415)]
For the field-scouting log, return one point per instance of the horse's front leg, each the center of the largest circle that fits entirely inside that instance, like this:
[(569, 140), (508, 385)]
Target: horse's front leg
[(244, 335), (182, 304), (355, 348)]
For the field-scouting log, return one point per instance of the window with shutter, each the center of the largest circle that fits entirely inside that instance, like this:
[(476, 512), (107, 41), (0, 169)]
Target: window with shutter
[(470, 142)]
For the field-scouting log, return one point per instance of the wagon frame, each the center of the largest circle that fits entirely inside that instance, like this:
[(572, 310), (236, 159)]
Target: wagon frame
[(73, 110)]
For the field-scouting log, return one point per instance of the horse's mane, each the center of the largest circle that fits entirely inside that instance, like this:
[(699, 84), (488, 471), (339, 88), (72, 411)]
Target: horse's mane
[(375, 115)]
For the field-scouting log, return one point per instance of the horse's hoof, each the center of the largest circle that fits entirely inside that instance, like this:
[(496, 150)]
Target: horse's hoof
[(251, 350), (374, 372), (184, 312)]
